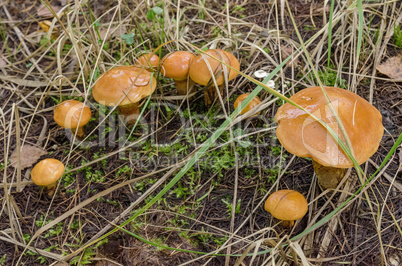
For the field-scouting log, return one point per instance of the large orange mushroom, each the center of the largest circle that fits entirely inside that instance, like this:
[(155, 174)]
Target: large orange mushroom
[(176, 66), (124, 86), (303, 136), (204, 67)]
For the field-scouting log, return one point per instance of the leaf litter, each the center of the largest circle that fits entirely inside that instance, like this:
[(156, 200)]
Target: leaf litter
[(28, 156), (392, 67)]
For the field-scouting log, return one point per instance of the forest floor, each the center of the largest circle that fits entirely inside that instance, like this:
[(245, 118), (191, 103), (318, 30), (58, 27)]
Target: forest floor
[(214, 212)]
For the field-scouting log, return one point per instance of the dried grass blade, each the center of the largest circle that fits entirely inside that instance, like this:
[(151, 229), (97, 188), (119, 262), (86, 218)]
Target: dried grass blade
[(18, 143)]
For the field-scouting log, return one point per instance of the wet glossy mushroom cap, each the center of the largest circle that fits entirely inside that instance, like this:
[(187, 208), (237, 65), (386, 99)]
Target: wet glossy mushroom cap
[(68, 113), (303, 136), (47, 172), (286, 205), (177, 65), (200, 73), (124, 82), (253, 103), (149, 61)]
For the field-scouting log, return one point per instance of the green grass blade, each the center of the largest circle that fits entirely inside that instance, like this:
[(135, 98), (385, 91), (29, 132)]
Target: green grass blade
[(360, 32), (331, 13), (146, 241)]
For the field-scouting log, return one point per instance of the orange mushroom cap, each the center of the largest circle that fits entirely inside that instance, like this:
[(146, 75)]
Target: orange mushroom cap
[(286, 205), (149, 61), (127, 82), (68, 113), (47, 172), (177, 65), (303, 136), (200, 73), (253, 103)]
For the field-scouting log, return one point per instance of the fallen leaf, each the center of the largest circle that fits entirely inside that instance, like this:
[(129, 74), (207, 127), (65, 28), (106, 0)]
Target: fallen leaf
[(400, 160), (44, 12), (286, 52), (392, 67), (28, 155)]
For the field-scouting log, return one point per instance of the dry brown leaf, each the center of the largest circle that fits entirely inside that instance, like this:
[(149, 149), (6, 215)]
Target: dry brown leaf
[(392, 67), (286, 52), (44, 12), (400, 160), (28, 155)]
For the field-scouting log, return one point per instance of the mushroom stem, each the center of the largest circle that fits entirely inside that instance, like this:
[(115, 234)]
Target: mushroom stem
[(51, 189), (182, 87), (79, 130), (328, 177), (210, 94), (130, 112), (288, 224)]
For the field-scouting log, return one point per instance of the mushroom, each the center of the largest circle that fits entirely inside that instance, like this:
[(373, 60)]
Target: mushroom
[(73, 115), (46, 173), (124, 86), (253, 103), (286, 205), (201, 74), (176, 66), (303, 136), (149, 61)]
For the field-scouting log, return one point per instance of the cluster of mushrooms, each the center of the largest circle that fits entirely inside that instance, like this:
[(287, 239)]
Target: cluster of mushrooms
[(123, 87)]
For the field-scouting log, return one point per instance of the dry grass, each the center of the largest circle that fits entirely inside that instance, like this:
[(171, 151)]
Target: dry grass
[(84, 40)]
